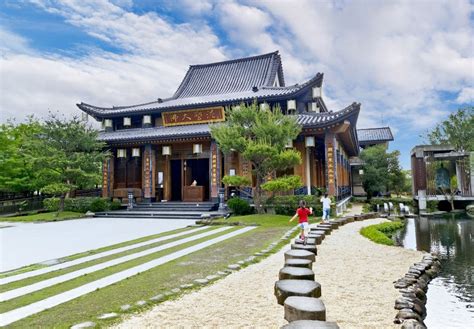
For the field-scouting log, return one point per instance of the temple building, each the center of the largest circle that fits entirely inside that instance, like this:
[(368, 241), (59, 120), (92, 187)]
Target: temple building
[(163, 150)]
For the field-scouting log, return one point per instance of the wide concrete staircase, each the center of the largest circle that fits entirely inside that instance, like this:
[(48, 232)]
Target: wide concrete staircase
[(166, 210)]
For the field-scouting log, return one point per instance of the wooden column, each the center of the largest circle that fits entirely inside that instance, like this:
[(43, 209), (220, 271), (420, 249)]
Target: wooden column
[(215, 170), (108, 177), (331, 165), (149, 169)]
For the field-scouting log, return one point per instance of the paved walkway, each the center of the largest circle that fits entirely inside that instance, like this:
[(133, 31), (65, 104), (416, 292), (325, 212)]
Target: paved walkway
[(75, 274), (81, 260), (23, 312), (29, 243)]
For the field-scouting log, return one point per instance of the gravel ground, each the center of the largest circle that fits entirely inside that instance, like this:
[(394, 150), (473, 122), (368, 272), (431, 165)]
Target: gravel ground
[(356, 276)]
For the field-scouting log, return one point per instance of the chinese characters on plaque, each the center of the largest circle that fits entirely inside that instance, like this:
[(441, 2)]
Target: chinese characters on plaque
[(147, 171), (105, 175), (330, 161), (212, 114)]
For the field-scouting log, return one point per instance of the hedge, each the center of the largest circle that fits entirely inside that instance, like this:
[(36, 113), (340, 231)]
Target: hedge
[(287, 205), (82, 205), (381, 233), (239, 206)]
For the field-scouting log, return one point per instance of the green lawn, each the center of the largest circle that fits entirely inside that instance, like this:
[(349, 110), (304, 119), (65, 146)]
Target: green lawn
[(158, 280), (44, 217)]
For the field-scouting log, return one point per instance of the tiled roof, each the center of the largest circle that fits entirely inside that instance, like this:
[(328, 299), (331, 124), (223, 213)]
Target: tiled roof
[(170, 104), (231, 76), (161, 133), (373, 135)]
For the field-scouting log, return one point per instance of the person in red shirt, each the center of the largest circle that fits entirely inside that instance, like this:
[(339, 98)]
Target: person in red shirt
[(302, 213)]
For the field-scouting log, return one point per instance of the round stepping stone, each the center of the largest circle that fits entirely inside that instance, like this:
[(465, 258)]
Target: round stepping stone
[(318, 238), (234, 267), (296, 273), (212, 277), (201, 281), (250, 259), (141, 303), (222, 273), (175, 290), (304, 308), (308, 241), (287, 288), (124, 308), (301, 254), (88, 324), (310, 324), (295, 262), (186, 286), (241, 262), (259, 253), (157, 298), (309, 247), (334, 225), (350, 219), (318, 231), (107, 316), (327, 230)]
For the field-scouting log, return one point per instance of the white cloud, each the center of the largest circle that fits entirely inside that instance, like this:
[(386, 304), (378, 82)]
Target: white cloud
[(157, 55), (466, 96)]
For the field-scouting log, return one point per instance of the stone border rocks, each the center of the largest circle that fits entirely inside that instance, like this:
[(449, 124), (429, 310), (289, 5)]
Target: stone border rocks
[(413, 287)]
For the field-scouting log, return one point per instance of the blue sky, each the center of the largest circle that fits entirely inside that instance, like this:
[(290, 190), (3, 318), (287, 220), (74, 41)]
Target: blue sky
[(410, 63)]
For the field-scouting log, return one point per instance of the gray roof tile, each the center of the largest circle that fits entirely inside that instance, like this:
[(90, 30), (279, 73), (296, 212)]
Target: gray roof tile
[(382, 134), (231, 76)]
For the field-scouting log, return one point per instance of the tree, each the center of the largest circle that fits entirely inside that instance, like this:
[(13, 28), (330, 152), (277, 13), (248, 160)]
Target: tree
[(457, 130), (282, 184), (382, 170), (66, 155), (16, 172), (259, 135)]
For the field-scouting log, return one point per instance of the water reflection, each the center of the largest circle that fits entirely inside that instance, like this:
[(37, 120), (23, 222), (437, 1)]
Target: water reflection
[(450, 296)]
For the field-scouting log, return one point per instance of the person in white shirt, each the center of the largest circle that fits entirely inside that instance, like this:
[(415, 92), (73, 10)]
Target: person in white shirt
[(326, 207)]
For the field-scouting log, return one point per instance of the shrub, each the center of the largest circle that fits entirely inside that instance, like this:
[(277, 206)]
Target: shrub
[(432, 205), (239, 206), (381, 233), (51, 204), (82, 205), (287, 204)]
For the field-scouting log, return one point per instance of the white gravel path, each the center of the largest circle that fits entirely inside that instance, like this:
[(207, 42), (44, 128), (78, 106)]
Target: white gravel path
[(356, 276)]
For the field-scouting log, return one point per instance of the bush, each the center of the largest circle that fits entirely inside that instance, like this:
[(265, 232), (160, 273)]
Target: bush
[(239, 206), (381, 233), (51, 204), (82, 205), (287, 204), (432, 205)]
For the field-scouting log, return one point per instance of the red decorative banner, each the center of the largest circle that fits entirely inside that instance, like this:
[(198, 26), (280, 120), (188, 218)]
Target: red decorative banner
[(187, 117)]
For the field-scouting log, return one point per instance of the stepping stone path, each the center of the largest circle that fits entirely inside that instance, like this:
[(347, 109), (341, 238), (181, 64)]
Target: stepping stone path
[(141, 303), (234, 267), (157, 298), (106, 316), (304, 308), (212, 277), (88, 324), (311, 324), (175, 290), (296, 273), (201, 281), (287, 288), (295, 262), (297, 290), (301, 254), (186, 286), (221, 273), (308, 247), (125, 307)]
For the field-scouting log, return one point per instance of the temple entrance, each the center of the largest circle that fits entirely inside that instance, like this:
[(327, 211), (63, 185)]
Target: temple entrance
[(183, 174), (176, 174)]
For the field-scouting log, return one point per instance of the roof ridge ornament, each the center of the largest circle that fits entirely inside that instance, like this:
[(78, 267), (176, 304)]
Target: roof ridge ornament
[(254, 89)]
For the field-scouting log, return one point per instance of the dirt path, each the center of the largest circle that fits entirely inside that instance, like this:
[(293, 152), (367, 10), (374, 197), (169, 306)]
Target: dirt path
[(356, 277)]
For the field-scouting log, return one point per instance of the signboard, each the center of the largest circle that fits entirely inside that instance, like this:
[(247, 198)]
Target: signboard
[(187, 117), (330, 162)]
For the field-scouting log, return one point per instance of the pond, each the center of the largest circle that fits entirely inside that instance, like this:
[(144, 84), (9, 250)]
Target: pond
[(450, 295)]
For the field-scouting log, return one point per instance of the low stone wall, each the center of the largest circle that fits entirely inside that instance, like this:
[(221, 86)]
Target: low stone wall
[(413, 287)]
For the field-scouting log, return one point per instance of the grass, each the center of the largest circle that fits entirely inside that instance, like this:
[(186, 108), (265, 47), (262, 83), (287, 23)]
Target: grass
[(382, 233), (44, 217), (163, 278)]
